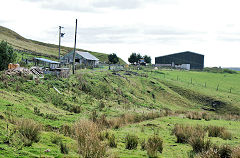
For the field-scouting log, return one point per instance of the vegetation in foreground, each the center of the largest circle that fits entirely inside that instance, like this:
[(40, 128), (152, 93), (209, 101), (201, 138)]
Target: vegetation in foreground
[(130, 113)]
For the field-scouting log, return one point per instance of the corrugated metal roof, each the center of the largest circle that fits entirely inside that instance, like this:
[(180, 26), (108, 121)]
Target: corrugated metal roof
[(47, 61), (87, 55)]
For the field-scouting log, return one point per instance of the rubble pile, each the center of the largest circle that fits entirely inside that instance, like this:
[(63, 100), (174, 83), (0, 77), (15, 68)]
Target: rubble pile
[(20, 71)]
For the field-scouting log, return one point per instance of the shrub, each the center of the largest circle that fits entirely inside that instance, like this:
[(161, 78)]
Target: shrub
[(225, 151), (87, 135), (112, 141), (7, 55), (29, 129), (218, 152), (226, 135), (131, 141), (154, 145), (194, 115), (215, 131), (199, 144), (184, 133), (63, 148)]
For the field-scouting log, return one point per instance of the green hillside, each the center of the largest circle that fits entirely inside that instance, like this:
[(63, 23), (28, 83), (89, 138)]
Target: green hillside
[(108, 105), (45, 49)]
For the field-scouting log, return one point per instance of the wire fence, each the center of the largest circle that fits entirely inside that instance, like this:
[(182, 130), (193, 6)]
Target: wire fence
[(217, 86)]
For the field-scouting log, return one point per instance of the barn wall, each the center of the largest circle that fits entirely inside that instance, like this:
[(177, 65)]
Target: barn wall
[(196, 61)]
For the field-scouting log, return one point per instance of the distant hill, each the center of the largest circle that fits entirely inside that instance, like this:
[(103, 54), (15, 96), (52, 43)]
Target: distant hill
[(45, 49), (234, 68)]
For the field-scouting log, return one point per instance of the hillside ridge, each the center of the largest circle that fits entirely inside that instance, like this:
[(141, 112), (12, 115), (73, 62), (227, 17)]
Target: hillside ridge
[(45, 49)]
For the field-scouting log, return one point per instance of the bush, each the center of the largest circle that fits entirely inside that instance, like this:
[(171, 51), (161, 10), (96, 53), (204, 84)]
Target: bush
[(219, 152), (215, 131), (199, 144), (112, 141), (184, 133), (154, 145), (87, 135), (29, 129), (225, 151), (194, 115), (7, 55), (131, 142)]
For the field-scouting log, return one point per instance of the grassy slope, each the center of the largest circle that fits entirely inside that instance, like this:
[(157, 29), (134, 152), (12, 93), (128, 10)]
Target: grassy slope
[(45, 49), (120, 94)]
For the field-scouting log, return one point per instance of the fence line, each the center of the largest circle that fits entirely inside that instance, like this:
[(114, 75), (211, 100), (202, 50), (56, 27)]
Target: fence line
[(203, 84)]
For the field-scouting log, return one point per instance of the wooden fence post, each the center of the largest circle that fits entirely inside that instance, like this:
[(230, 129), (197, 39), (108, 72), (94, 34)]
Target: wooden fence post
[(217, 87)]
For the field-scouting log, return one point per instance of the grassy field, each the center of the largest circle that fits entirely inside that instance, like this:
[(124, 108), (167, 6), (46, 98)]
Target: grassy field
[(45, 49), (142, 102)]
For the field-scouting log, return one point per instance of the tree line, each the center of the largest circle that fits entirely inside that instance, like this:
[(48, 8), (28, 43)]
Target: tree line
[(133, 59)]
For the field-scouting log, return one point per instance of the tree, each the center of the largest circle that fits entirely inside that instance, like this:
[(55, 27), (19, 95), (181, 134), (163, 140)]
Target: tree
[(139, 57), (7, 55), (147, 59), (113, 59), (133, 58)]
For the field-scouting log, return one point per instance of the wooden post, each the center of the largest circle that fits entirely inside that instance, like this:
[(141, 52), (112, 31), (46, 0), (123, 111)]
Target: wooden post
[(74, 50), (217, 87), (205, 84), (191, 80), (59, 47), (230, 90)]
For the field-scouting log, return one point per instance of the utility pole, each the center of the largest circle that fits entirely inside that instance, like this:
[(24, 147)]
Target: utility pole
[(74, 50), (60, 35)]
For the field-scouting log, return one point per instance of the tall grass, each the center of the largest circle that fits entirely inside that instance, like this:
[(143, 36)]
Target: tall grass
[(131, 142), (30, 131), (87, 135), (185, 132), (216, 131), (154, 145)]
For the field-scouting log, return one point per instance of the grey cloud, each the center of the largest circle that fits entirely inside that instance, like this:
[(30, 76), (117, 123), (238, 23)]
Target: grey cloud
[(130, 4), (106, 34), (3, 22), (229, 38), (169, 31), (131, 34), (127, 34), (96, 5)]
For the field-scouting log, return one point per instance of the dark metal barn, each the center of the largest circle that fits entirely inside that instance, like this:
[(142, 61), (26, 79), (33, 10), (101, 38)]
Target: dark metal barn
[(183, 59)]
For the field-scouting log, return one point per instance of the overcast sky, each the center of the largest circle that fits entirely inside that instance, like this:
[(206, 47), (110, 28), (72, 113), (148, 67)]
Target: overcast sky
[(152, 27)]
